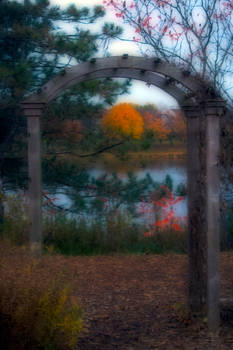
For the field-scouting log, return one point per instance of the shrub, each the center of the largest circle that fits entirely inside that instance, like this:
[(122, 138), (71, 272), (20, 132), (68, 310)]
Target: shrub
[(59, 320), (37, 309)]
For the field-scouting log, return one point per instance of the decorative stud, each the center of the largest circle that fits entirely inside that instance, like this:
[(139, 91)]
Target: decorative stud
[(157, 61), (186, 73), (170, 81)]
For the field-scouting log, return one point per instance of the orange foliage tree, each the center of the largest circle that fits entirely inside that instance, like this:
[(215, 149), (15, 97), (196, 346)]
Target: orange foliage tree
[(122, 120), (155, 124), (176, 124)]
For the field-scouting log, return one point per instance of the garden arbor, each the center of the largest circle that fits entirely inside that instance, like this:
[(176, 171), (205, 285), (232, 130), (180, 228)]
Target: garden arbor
[(203, 109)]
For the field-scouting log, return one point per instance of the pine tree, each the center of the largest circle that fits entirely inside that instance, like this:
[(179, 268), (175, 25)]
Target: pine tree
[(33, 48)]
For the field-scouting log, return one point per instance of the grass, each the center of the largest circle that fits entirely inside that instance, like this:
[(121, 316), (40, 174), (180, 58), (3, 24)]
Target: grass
[(117, 235), (104, 235), (108, 234)]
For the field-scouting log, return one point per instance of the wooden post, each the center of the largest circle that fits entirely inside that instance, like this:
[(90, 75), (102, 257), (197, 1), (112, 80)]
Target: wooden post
[(213, 110), (1, 204), (33, 113), (196, 210)]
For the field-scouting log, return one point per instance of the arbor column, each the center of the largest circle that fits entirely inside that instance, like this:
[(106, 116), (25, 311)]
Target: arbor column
[(33, 112), (196, 208), (213, 110)]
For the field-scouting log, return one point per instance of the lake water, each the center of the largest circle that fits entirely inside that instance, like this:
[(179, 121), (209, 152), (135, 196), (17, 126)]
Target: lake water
[(157, 169)]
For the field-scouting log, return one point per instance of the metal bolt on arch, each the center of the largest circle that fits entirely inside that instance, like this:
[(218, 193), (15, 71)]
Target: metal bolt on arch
[(203, 110)]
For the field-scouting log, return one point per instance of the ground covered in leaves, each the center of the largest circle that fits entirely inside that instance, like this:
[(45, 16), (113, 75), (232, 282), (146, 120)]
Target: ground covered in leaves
[(139, 303)]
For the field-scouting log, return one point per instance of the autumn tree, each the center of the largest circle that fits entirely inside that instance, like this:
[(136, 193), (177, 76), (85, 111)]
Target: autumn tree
[(176, 124), (156, 125), (122, 121), (195, 34)]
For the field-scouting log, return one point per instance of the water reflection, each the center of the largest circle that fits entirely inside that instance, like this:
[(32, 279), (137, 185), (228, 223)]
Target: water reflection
[(158, 170)]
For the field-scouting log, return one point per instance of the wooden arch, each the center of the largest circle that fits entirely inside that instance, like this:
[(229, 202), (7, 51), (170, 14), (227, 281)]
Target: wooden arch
[(163, 75), (202, 108)]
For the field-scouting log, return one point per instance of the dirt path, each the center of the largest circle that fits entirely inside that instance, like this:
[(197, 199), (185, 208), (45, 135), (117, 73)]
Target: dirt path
[(139, 303)]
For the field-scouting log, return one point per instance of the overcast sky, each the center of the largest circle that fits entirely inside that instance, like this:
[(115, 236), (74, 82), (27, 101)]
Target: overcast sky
[(140, 93)]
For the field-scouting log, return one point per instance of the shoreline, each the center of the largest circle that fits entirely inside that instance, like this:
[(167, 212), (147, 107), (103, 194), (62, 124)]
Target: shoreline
[(137, 158), (134, 160)]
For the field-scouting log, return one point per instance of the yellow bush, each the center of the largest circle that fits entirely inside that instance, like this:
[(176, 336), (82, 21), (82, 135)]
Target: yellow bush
[(59, 321), (37, 309)]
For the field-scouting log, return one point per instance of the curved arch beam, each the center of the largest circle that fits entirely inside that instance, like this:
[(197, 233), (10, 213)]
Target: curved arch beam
[(121, 66), (148, 77)]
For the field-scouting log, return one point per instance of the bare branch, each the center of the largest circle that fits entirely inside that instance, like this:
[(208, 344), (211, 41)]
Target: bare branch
[(104, 149)]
